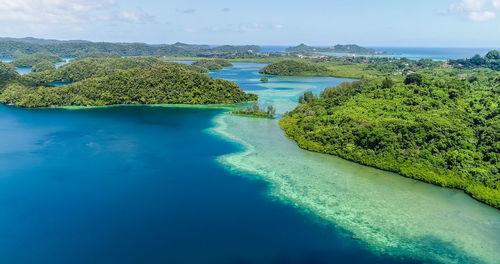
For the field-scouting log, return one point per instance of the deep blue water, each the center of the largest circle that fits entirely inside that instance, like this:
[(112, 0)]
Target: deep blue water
[(140, 184)]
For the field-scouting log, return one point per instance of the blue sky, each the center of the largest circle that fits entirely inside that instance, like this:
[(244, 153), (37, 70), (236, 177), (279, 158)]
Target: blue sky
[(446, 23)]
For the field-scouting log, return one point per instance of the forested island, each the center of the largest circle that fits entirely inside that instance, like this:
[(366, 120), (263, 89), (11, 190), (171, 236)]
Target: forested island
[(256, 110), (212, 64), (350, 48), (11, 47), (293, 67), (99, 82), (435, 121), (29, 60), (442, 127)]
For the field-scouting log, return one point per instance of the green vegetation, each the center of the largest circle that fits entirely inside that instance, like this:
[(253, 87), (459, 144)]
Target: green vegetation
[(237, 49), (293, 67), (29, 60), (108, 81), (491, 60), (264, 79), (436, 128), (7, 74), (351, 48), (213, 64), (11, 47), (98, 54), (43, 66), (256, 110)]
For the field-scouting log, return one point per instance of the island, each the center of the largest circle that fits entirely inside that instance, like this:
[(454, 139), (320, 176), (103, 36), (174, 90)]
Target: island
[(11, 47), (293, 67), (212, 64), (256, 110), (441, 126), (43, 66), (29, 60), (350, 48), (100, 82)]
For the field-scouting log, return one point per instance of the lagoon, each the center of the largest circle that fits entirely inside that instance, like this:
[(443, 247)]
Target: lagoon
[(130, 184)]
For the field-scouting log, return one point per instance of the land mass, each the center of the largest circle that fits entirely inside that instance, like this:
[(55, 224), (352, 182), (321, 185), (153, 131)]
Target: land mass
[(10, 47), (438, 127), (350, 48), (99, 82)]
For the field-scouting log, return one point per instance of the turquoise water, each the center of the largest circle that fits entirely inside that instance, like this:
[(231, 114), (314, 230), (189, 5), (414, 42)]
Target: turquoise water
[(25, 70), (393, 215), (414, 53), (438, 54), (153, 184), (59, 84), (141, 184)]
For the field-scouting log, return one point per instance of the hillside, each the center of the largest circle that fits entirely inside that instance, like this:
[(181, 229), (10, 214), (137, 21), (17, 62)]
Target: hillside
[(166, 83), (442, 130), (293, 67)]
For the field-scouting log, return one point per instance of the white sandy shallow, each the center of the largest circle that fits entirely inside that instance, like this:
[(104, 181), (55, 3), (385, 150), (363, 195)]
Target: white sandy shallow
[(391, 214)]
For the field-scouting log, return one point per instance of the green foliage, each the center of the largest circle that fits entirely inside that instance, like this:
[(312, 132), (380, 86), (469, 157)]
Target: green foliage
[(292, 67), (213, 64), (351, 48), (493, 55), (98, 54), (307, 97), (256, 110), (237, 49), (414, 78), (387, 83), (491, 61), (123, 81), (43, 66), (9, 48), (445, 131), (25, 60), (7, 74)]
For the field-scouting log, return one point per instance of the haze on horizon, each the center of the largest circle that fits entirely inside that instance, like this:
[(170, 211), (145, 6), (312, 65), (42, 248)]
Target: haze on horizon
[(446, 23)]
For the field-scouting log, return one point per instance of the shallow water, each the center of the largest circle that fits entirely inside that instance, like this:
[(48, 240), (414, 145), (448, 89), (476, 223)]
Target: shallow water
[(139, 184), (393, 215), (130, 184)]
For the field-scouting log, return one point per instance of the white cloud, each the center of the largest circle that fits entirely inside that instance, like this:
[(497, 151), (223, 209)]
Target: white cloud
[(482, 16), (477, 10), (135, 17), (246, 27), (42, 12), (469, 5)]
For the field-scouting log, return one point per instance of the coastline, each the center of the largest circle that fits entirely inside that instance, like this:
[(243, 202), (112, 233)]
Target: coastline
[(383, 209), (393, 215)]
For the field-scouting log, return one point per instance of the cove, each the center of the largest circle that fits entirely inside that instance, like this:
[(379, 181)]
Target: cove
[(140, 184), (391, 214)]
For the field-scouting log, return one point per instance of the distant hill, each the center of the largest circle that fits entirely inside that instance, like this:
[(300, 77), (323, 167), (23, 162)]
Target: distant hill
[(350, 48), (12, 47), (39, 41)]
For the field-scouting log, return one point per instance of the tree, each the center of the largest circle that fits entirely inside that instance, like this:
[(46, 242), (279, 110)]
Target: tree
[(307, 97), (7, 73), (414, 78), (493, 55), (271, 110), (387, 83), (43, 66)]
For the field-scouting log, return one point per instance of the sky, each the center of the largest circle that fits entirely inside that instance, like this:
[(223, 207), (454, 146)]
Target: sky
[(410, 23)]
